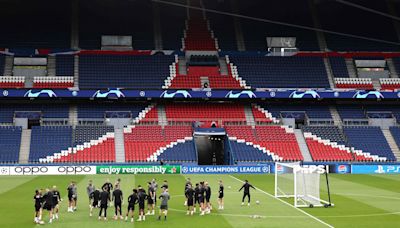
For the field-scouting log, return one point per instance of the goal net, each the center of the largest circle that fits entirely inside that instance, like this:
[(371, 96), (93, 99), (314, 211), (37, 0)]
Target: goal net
[(302, 183)]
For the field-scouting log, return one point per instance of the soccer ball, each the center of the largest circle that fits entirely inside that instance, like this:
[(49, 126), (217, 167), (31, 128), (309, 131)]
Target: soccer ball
[(257, 202), (229, 187)]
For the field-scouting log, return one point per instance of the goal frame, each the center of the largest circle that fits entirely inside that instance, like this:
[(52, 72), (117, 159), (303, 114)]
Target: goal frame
[(295, 196)]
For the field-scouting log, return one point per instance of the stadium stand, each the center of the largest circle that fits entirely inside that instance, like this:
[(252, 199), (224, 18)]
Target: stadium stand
[(2, 63), (338, 67), (245, 152), (282, 72), (7, 112), (360, 25), (119, 71), (172, 26), (389, 83), (369, 139), (84, 133), (395, 131), (64, 65), (10, 142), (129, 18), (101, 110), (12, 81), (354, 83), (178, 152), (33, 22), (351, 112), (53, 82), (47, 140), (287, 111)]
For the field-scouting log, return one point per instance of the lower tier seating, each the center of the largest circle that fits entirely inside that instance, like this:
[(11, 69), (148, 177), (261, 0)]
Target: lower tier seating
[(10, 142)]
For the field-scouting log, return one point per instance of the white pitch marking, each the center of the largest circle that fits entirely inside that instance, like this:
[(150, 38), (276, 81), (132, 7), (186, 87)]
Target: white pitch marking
[(309, 215)]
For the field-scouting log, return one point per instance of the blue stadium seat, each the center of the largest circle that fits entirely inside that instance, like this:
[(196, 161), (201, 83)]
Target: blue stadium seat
[(183, 152), (65, 65), (369, 139), (247, 153), (84, 133), (47, 140), (10, 143), (282, 72)]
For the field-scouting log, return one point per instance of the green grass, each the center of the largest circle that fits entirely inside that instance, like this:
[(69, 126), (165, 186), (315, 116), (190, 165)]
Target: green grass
[(360, 201)]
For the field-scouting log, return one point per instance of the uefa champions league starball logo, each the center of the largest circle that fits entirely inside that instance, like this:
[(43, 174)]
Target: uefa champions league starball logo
[(5, 93)]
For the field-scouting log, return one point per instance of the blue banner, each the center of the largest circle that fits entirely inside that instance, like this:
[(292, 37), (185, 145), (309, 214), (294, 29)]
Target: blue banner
[(225, 169), (196, 94), (375, 169)]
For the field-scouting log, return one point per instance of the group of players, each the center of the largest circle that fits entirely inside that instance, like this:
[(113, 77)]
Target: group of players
[(200, 195), (102, 197)]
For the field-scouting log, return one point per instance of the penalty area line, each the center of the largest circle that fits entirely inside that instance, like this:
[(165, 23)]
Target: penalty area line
[(284, 202)]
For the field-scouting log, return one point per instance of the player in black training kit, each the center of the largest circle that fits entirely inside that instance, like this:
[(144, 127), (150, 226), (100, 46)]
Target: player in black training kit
[(38, 206), (207, 190), (246, 186), (48, 204), (70, 191), (95, 198), (188, 182), (108, 186), (104, 200), (221, 196), (132, 200), (150, 199), (196, 197), (201, 197), (117, 198), (142, 196), (56, 200), (190, 193)]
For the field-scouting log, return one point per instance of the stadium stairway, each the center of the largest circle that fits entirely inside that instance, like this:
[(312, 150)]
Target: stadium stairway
[(25, 146), (335, 116), (392, 68), (303, 145), (351, 68), (8, 67), (119, 145), (392, 143)]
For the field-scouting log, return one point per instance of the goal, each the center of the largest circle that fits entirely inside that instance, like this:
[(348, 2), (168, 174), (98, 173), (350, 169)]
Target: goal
[(302, 183)]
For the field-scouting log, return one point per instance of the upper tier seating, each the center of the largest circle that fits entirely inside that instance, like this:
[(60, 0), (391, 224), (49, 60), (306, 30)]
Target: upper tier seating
[(357, 22), (212, 73), (247, 153), (354, 83), (65, 65), (47, 140), (103, 110), (339, 68), (282, 72), (172, 25), (207, 112), (118, 71), (10, 142), (351, 112), (47, 111), (369, 139), (36, 24), (53, 82), (295, 12), (130, 18), (287, 111), (223, 26), (12, 81), (390, 83), (198, 36), (2, 64)]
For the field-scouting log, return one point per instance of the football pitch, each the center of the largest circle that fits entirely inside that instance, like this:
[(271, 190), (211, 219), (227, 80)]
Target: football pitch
[(360, 201)]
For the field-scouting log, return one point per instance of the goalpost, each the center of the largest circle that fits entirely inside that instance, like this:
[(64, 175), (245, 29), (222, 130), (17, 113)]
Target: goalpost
[(302, 183)]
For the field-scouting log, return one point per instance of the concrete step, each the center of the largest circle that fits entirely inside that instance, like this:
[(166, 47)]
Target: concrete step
[(182, 65), (73, 115), (8, 67), (303, 145), (51, 65), (249, 115), (119, 145), (223, 67), (162, 116), (76, 71), (329, 72), (335, 116), (351, 68), (392, 68), (376, 83), (25, 146)]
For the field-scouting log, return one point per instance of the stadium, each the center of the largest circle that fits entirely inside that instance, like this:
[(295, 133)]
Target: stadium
[(182, 103)]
